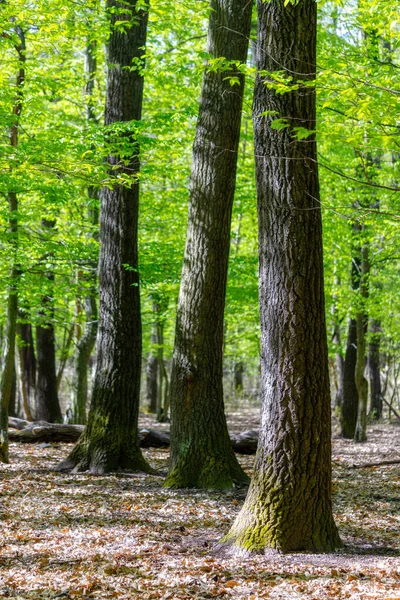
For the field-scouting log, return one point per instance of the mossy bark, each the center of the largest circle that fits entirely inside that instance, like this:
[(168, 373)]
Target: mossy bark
[(201, 452), (288, 507), (110, 441)]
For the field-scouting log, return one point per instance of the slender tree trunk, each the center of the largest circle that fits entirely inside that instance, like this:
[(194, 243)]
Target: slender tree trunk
[(27, 365), (360, 434), (151, 382), (87, 342), (201, 453), (84, 350), (348, 414), (349, 409), (8, 362), (288, 506), (110, 440), (375, 370)]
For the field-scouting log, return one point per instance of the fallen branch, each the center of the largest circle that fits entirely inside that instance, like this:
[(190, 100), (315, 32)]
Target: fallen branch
[(40, 431), (382, 463), (396, 414)]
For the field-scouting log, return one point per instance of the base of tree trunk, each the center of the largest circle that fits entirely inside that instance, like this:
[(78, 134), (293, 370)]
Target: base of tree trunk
[(253, 534), (105, 456), (210, 472)]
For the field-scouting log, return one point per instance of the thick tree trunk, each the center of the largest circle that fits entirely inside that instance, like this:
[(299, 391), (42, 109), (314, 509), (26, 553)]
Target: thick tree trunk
[(110, 441), (375, 370), (201, 454), (288, 506)]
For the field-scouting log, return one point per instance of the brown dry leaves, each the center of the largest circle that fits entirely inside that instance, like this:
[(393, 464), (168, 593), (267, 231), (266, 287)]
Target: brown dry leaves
[(79, 536)]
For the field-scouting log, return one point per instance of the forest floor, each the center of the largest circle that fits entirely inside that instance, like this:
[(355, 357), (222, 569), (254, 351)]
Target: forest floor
[(125, 537)]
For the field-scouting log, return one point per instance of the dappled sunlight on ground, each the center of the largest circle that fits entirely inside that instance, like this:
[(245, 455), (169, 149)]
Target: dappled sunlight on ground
[(123, 536)]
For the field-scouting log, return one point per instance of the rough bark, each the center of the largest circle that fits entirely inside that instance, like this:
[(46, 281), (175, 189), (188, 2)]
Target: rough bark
[(201, 454), (110, 441), (376, 404), (288, 506)]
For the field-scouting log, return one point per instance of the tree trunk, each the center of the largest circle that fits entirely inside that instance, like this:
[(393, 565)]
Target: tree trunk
[(27, 365), (288, 506), (348, 413), (8, 361), (360, 434), (375, 371), (151, 382), (87, 342), (110, 441), (83, 352), (47, 403), (201, 453)]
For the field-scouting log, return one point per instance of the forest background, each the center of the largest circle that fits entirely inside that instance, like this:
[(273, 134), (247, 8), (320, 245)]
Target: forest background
[(58, 166)]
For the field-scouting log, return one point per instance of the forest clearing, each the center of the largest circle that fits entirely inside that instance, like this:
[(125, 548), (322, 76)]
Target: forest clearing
[(126, 537)]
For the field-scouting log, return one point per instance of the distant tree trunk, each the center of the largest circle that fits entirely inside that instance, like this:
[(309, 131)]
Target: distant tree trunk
[(8, 362), (47, 403), (27, 363), (151, 382), (360, 434), (376, 405), (348, 414), (14, 407), (288, 506), (84, 350), (238, 376), (87, 342), (110, 441), (201, 453)]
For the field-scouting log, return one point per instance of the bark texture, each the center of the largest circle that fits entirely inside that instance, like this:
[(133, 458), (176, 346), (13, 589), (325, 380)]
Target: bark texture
[(201, 454), (288, 506), (110, 441)]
